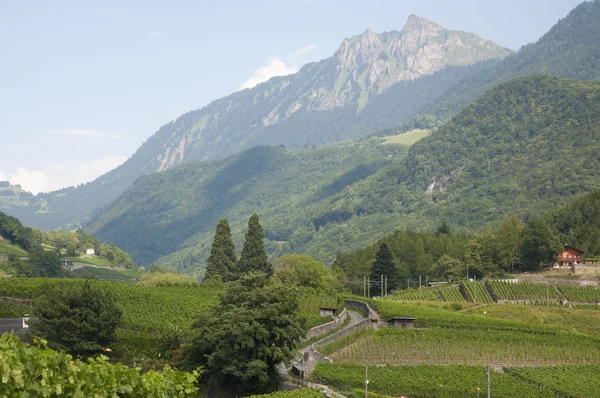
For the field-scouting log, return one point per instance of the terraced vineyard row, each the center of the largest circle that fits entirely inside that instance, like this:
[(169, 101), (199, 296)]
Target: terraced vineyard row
[(574, 381), (523, 290), (311, 302), (477, 347), (587, 294), (426, 381), (451, 293), (477, 292)]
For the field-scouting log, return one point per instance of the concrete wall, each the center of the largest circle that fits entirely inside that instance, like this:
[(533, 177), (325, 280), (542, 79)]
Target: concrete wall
[(361, 306), (364, 324), (327, 327)]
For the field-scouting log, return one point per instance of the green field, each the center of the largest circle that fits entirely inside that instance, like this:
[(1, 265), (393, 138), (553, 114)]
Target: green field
[(408, 138), (10, 249)]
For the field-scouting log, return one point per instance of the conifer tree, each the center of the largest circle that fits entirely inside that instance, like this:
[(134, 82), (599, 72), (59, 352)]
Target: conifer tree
[(383, 265), (253, 256), (222, 260)]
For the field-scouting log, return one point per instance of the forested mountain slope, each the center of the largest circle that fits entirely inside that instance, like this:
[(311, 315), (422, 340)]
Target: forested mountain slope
[(524, 148), (372, 81), (179, 208), (570, 49)]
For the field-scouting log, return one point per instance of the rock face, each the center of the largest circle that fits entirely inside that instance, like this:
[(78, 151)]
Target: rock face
[(363, 67), (373, 81)]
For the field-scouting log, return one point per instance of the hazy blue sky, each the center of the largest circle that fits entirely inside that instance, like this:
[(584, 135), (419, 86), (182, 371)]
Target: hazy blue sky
[(83, 84)]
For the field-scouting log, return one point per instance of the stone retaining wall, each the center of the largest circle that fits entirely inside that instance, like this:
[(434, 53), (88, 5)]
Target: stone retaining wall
[(327, 327)]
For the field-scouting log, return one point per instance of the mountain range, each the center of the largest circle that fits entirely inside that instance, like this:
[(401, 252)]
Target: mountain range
[(508, 134), (373, 81)]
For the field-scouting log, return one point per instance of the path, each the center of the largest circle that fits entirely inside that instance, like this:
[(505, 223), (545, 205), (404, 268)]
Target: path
[(355, 318)]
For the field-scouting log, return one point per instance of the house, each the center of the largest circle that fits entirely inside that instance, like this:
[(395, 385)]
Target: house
[(90, 252), (569, 256), (324, 311), (401, 322)]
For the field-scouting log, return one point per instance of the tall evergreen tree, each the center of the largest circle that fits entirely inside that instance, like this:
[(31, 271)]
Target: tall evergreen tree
[(383, 265), (222, 260), (253, 256)]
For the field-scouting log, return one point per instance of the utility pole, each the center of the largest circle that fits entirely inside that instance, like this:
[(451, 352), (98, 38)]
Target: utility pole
[(488, 380), (368, 287), (366, 381), (364, 286), (381, 289), (386, 286)]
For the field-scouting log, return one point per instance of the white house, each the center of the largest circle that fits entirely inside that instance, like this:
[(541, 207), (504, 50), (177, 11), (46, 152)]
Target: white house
[(90, 252)]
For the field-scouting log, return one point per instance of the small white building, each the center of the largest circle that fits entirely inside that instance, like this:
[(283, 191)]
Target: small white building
[(90, 252)]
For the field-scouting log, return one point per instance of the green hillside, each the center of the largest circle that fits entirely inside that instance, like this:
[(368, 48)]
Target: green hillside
[(179, 208), (11, 249), (525, 147), (366, 85)]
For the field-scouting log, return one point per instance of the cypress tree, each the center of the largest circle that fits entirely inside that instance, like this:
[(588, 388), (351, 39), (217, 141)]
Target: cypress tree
[(222, 260), (253, 256), (383, 265)]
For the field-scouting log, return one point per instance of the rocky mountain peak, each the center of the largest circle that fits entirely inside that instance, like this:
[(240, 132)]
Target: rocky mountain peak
[(417, 23)]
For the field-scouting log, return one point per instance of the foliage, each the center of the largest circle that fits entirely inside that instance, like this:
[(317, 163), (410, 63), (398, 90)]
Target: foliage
[(254, 257), (301, 270), (222, 261), (245, 337), (39, 371), (589, 294), (540, 244), (477, 292), (166, 279), (383, 265), (523, 290), (81, 318)]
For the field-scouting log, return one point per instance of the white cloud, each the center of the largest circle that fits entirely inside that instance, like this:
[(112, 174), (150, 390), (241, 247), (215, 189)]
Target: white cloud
[(3, 177), (87, 133), (57, 175), (155, 35), (33, 181), (274, 67), (304, 50)]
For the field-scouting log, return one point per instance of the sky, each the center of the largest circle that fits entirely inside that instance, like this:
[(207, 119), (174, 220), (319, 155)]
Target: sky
[(83, 84)]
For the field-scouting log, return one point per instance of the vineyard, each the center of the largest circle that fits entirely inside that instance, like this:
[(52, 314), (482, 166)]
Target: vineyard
[(443, 346), (523, 290), (426, 381), (477, 292), (422, 294), (574, 381), (145, 309), (451, 293), (587, 294)]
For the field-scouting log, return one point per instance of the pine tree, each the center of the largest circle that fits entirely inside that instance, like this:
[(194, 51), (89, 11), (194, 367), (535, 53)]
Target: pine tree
[(253, 256), (383, 265), (222, 260)]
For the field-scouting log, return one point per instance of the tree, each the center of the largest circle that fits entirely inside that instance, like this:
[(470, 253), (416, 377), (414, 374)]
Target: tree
[(444, 228), (78, 318), (383, 265), (447, 268), (509, 238), (222, 260), (302, 271), (253, 256), (540, 244), (243, 339)]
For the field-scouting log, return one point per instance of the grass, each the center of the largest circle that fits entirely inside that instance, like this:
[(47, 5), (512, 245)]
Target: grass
[(408, 138), (10, 249)]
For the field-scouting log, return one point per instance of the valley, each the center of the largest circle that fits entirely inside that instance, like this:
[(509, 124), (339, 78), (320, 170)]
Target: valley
[(412, 213)]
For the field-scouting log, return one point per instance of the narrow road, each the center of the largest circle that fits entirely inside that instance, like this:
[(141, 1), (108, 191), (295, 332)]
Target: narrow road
[(355, 318)]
